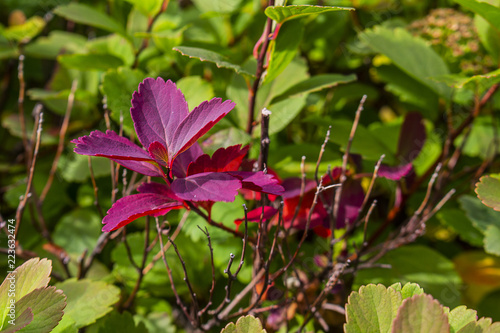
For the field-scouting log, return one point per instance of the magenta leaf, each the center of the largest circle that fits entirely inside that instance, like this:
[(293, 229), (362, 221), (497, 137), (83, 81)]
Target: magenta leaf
[(411, 138), (119, 149), (181, 163), (198, 122), (207, 186), (158, 152), (130, 208), (395, 172), (258, 181), (110, 145), (158, 107), (157, 188), (224, 159)]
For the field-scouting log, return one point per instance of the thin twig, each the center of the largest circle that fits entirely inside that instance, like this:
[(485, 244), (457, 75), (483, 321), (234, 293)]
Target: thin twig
[(264, 139), (212, 265), (27, 193), (60, 146)]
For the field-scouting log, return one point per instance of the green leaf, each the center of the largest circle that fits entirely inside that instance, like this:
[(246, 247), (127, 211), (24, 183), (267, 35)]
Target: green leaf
[(315, 83), (372, 309), (147, 7), (31, 275), (85, 62), (195, 89), (76, 168), (217, 6), (88, 300), (488, 12), (460, 317), (410, 290), (118, 85), (282, 14), (207, 55), (492, 240), (283, 113), (461, 224), (489, 36), (51, 46), (419, 264), (421, 314), (47, 306), (84, 223), (21, 321), (123, 323), (410, 54), (488, 306), (480, 215), (246, 324), (84, 14), (488, 191), (284, 49), (409, 90), (26, 31)]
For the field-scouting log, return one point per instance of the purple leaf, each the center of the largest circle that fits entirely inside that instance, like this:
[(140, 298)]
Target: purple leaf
[(118, 149), (158, 152), (224, 159), (130, 208), (396, 172), (157, 188), (293, 185), (207, 186), (411, 138), (158, 107), (198, 122), (258, 181), (109, 145), (181, 163)]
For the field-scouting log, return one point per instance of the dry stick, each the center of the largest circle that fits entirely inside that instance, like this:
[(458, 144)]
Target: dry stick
[(27, 193), (345, 157), (321, 152), (372, 183), (167, 246), (20, 105), (171, 278), (96, 189), (367, 218), (60, 146), (264, 140), (194, 298), (140, 269), (212, 288), (232, 277), (252, 96)]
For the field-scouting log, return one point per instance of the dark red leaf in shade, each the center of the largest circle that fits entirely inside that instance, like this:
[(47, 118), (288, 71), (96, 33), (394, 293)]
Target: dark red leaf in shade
[(351, 200), (130, 208), (119, 149), (181, 163), (395, 172), (322, 231), (257, 215), (224, 159), (207, 186), (411, 138), (258, 181)]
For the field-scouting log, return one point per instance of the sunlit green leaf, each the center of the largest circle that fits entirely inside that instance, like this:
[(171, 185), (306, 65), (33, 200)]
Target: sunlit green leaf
[(488, 190), (195, 89), (284, 13), (147, 7), (421, 314), (207, 55), (372, 309), (85, 62), (410, 54), (57, 41), (489, 12), (85, 14), (26, 31), (246, 324)]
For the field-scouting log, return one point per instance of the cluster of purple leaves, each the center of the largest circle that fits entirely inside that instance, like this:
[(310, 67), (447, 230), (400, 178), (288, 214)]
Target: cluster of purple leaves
[(169, 133)]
